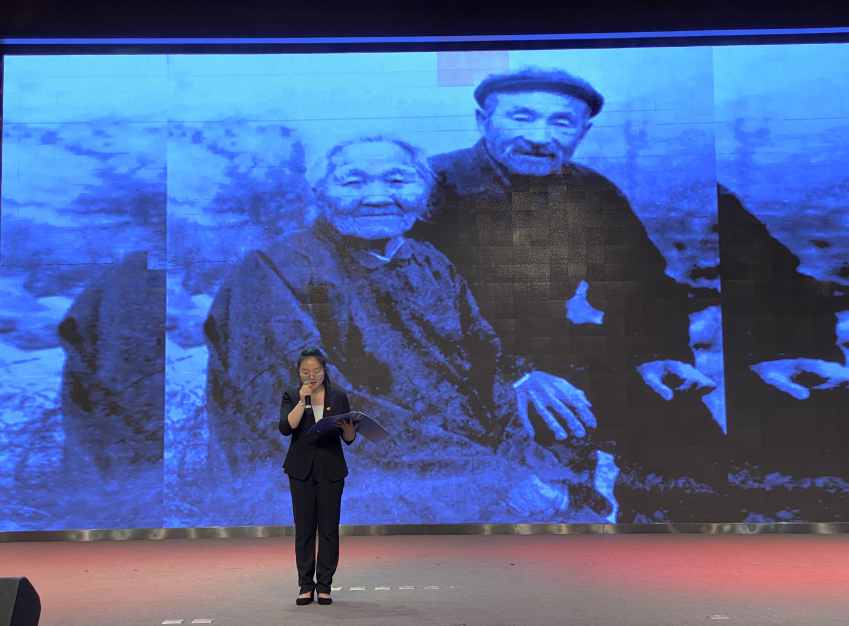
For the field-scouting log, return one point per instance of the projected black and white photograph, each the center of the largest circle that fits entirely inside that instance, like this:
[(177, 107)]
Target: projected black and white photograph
[(784, 247), (598, 286), (83, 291), (428, 222)]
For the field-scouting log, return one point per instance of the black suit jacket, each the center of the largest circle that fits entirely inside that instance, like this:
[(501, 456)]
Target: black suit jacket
[(326, 451)]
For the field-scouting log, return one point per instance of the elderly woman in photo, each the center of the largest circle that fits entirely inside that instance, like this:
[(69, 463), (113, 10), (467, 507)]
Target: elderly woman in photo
[(408, 345)]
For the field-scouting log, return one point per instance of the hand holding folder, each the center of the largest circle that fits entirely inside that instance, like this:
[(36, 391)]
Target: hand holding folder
[(368, 428)]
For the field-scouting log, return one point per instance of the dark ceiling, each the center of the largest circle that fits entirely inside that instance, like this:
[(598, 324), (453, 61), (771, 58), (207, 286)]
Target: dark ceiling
[(247, 18)]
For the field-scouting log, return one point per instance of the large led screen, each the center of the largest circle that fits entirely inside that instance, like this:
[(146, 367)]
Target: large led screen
[(605, 285)]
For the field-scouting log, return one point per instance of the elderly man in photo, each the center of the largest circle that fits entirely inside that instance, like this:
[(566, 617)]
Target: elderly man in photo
[(564, 271)]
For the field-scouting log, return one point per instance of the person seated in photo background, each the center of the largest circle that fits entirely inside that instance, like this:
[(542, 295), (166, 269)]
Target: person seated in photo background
[(786, 338), (113, 393)]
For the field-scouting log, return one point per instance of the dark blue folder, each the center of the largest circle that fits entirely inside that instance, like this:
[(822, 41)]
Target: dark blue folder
[(368, 428)]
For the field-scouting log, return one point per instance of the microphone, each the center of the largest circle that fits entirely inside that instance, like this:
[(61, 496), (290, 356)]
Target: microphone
[(308, 401)]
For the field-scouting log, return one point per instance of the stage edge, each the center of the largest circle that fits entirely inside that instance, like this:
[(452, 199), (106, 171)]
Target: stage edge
[(223, 532)]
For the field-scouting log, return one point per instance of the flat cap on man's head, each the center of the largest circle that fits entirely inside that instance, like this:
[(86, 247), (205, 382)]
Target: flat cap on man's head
[(554, 81)]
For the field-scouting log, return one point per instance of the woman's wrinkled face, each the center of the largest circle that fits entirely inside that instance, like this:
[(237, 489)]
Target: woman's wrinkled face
[(311, 371), (374, 191)]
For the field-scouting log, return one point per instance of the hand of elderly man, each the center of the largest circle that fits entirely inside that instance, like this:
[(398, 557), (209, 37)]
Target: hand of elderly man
[(557, 401), (654, 372), (780, 374)]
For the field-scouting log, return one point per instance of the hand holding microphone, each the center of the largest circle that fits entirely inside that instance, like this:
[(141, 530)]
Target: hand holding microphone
[(306, 390)]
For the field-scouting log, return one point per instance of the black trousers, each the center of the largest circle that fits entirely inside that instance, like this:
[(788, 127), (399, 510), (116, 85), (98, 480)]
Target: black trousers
[(316, 504)]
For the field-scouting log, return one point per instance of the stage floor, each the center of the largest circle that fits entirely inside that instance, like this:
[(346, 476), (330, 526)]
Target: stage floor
[(632, 580)]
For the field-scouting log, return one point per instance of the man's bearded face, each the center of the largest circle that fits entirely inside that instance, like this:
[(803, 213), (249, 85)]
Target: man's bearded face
[(533, 133)]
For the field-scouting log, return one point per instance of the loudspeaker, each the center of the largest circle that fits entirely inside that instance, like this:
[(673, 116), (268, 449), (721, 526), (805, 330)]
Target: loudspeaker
[(19, 603)]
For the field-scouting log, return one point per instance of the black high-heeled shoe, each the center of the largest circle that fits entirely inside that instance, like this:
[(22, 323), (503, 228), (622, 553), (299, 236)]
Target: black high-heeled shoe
[(304, 601), (325, 601)]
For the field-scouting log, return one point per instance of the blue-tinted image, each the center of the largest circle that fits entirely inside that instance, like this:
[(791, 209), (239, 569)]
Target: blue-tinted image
[(420, 338), (517, 262), (784, 244), (83, 282)]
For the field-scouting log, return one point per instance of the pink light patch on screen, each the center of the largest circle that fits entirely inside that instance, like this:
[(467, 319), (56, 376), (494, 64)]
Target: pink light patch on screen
[(466, 69)]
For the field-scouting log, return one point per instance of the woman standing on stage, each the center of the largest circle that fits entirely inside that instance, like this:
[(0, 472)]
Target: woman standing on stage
[(317, 471)]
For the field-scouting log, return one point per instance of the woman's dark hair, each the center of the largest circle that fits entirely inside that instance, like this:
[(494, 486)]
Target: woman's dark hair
[(314, 353)]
